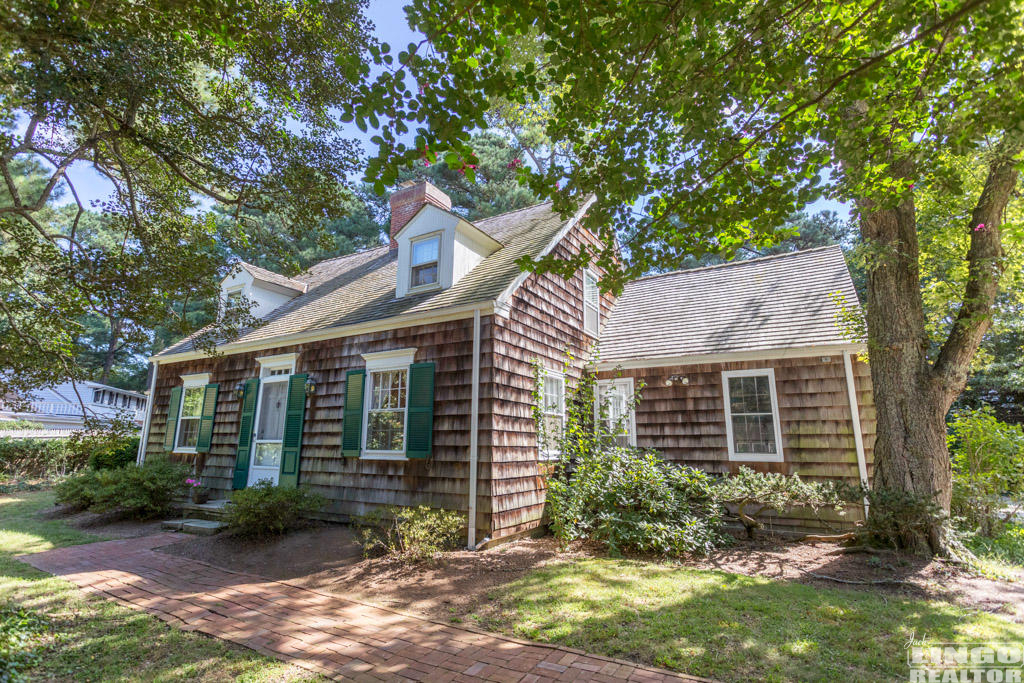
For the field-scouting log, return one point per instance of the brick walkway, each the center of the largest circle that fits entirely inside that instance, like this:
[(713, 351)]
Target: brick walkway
[(317, 631)]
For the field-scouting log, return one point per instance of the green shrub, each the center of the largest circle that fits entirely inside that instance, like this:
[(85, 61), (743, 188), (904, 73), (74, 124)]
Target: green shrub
[(988, 463), (139, 492), (51, 458), (412, 534), (39, 458), (1000, 554), (896, 518), (266, 510), (20, 425), (629, 499), (115, 455), (79, 491), (624, 498), (753, 493)]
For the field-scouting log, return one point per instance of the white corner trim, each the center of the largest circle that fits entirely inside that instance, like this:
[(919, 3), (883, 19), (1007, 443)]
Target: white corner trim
[(776, 423), (198, 379), (140, 457), (501, 304), (389, 359), (732, 356), (474, 428), (858, 436)]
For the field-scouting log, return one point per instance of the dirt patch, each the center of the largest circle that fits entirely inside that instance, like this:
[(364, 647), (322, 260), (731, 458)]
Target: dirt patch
[(889, 573), (105, 524), (326, 557), (320, 548)]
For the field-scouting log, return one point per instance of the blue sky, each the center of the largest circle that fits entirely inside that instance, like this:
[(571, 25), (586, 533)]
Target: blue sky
[(389, 26)]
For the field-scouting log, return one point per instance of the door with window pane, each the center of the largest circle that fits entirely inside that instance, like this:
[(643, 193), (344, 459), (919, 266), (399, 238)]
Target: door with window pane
[(269, 432)]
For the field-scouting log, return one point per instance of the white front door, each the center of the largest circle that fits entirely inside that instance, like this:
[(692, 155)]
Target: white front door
[(270, 413)]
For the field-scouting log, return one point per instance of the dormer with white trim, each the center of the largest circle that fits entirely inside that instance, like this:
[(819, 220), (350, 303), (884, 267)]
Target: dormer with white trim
[(436, 247), (266, 289)]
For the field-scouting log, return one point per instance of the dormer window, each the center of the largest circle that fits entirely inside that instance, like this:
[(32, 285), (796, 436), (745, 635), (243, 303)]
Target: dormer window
[(424, 260), (234, 298)]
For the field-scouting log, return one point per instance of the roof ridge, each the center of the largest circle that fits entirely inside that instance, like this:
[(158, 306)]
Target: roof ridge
[(341, 256), (739, 263), (505, 213)]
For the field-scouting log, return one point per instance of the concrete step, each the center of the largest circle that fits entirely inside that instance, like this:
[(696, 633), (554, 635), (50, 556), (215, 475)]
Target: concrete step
[(214, 510), (199, 527)]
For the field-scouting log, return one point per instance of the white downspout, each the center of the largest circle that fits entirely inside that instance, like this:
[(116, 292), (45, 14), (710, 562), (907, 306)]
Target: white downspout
[(144, 441), (474, 421), (858, 437)]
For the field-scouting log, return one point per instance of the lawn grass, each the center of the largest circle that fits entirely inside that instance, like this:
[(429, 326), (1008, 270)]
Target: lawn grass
[(727, 626), (1001, 556), (90, 639)]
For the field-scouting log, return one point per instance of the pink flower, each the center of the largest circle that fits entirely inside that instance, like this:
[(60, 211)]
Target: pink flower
[(981, 226)]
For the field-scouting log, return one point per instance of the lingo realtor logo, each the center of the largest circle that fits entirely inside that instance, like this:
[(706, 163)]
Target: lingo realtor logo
[(965, 662)]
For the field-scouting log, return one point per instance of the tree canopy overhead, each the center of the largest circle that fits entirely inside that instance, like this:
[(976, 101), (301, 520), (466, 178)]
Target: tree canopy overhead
[(701, 126), (179, 106)]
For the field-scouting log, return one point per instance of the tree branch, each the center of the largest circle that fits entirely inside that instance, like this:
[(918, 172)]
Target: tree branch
[(985, 268)]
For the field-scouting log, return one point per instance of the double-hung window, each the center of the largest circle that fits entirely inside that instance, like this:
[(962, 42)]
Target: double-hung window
[(386, 403), (190, 413), (752, 415), (424, 263), (613, 410), (554, 412), (591, 304), (385, 419)]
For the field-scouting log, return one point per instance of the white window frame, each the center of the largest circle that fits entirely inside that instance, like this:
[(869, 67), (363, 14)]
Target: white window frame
[(383, 361), (776, 422), (596, 307), (188, 382), (552, 453), (229, 292), (436, 284), (630, 387)]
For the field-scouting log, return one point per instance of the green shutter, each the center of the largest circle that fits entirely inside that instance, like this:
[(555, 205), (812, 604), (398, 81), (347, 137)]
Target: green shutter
[(352, 415), (245, 425), (206, 420), (171, 426), (419, 429), (291, 442)]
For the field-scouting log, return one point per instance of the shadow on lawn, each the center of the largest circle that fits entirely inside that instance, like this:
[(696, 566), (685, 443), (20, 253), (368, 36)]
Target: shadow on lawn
[(729, 626)]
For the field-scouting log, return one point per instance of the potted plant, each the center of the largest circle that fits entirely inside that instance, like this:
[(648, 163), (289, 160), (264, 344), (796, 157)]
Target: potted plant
[(198, 492)]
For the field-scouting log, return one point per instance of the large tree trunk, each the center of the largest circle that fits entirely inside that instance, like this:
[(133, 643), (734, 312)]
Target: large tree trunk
[(913, 395), (113, 346)]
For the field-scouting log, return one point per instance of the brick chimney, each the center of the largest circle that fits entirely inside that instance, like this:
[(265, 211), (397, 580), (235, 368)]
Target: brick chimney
[(409, 198)]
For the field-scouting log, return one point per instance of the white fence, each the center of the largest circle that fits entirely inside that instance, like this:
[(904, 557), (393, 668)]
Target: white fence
[(36, 433)]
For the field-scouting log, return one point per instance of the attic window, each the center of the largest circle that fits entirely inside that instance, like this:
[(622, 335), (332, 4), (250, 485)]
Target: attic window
[(424, 262)]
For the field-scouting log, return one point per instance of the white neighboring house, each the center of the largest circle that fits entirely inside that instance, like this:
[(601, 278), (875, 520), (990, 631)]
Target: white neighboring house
[(61, 407)]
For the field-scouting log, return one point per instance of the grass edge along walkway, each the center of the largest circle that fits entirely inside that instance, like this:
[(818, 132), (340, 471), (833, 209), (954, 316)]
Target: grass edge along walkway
[(730, 627), (89, 639)]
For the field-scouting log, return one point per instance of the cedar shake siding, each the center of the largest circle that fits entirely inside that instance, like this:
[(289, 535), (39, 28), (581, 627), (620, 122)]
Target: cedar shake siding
[(355, 486), (545, 322), (686, 423)]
